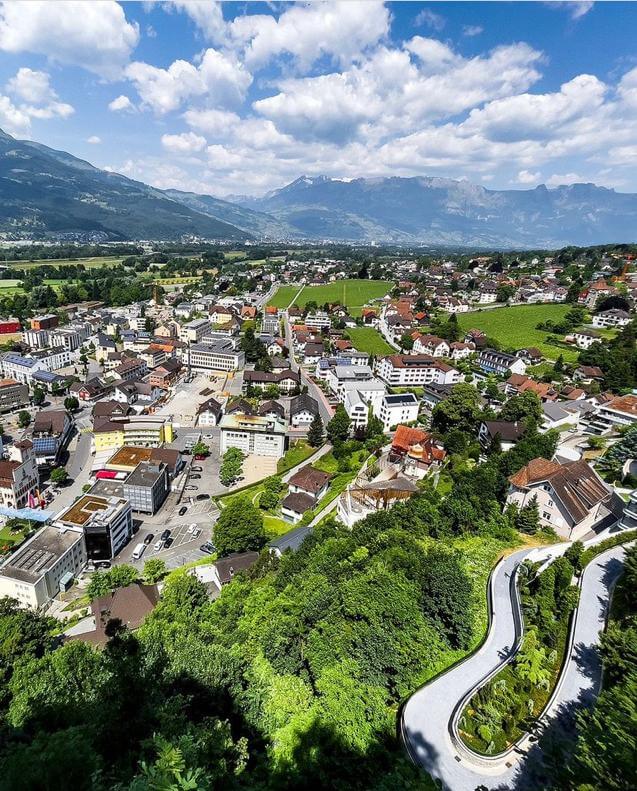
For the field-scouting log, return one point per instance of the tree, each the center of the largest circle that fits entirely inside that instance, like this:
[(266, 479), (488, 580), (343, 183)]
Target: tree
[(528, 517), (104, 582), (315, 435), (338, 427), (71, 404), (505, 292), (231, 466), (38, 396), (406, 342), (154, 570), (558, 368), (269, 498), (461, 410), (446, 596), (239, 528), (200, 449), (59, 475), (24, 418), (524, 406)]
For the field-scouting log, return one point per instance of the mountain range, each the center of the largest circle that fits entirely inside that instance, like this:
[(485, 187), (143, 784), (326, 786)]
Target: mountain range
[(46, 193)]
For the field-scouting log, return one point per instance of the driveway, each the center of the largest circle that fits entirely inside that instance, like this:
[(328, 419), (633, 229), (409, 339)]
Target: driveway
[(427, 715)]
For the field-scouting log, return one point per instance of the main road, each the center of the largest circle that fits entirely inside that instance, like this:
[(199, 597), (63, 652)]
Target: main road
[(428, 717)]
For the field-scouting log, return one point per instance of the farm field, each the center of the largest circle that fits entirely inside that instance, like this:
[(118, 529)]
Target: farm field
[(514, 327), (89, 263), (352, 293), (367, 339)]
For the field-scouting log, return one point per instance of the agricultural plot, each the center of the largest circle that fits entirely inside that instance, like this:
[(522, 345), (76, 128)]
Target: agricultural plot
[(352, 293), (514, 327), (367, 339), (89, 263)]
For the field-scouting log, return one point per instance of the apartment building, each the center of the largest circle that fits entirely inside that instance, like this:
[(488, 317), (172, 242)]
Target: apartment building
[(397, 408), (106, 522), (144, 430), (500, 363), (43, 566), (404, 370), (193, 331), (221, 356), (50, 433), (13, 394), (318, 321), (46, 322), (19, 476), (253, 434), (432, 345), (286, 380), (147, 486), (36, 339), (618, 412)]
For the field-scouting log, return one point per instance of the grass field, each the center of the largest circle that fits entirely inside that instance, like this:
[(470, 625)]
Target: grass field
[(514, 327), (367, 339), (89, 263), (352, 293)]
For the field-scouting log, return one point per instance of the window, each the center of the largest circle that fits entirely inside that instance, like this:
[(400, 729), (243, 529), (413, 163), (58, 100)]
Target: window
[(546, 515)]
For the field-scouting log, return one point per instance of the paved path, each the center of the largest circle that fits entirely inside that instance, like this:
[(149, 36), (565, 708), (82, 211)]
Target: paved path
[(427, 715)]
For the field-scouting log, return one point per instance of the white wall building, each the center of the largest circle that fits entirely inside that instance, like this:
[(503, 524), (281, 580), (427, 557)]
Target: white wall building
[(403, 370), (18, 476), (253, 434), (394, 409), (193, 331)]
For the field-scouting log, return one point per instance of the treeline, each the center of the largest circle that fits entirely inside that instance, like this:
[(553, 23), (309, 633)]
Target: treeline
[(617, 358), (35, 252)]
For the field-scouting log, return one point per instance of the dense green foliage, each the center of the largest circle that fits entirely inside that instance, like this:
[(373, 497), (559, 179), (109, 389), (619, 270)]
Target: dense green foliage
[(315, 434), (104, 582), (231, 466), (617, 358), (239, 527)]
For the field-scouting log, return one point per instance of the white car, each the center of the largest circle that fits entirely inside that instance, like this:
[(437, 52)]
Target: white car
[(158, 545), (192, 528)]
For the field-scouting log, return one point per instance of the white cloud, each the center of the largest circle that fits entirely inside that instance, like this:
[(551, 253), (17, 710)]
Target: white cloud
[(472, 30), (120, 103), (526, 177), (575, 8), (94, 140), (96, 36), (560, 179), (39, 99), (12, 119), (430, 18), (206, 14), (220, 77), (185, 143)]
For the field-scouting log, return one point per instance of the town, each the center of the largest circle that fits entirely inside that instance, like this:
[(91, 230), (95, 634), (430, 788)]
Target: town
[(236, 410)]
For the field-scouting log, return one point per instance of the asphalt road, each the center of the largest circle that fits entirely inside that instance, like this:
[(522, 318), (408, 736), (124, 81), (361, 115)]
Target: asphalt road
[(428, 713)]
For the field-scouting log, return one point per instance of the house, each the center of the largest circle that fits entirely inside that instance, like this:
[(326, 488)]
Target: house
[(209, 413), (400, 370), (166, 373), (226, 568), (312, 353), (459, 350), (19, 477), (614, 414), (416, 451), (291, 540), (431, 344), (507, 433), (564, 415), (571, 497), (286, 381), (587, 374), (272, 409), (586, 338), (308, 480), (295, 505), (240, 407), (127, 607), (318, 321), (397, 408), (612, 318), (13, 394), (491, 361), (531, 355), (519, 383), (477, 337), (303, 409), (50, 432)]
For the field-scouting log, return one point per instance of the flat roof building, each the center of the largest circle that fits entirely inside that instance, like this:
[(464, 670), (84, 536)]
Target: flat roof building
[(107, 523), (253, 434), (147, 486)]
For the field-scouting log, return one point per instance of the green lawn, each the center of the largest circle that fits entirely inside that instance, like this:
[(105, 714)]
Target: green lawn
[(295, 454), (367, 339), (352, 293), (89, 263), (514, 327)]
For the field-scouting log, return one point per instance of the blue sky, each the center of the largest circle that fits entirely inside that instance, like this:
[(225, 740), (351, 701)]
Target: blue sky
[(241, 98)]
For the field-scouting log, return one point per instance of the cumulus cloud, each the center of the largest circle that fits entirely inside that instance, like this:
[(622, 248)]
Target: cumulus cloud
[(526, 177), (94, 140), (96, 36), (564, 179), (206, 14), (219, 77), (430, 19), (120, 103), (33, 97), (185, 143)]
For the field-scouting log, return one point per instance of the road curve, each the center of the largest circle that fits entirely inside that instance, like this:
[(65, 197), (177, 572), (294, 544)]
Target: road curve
[(427, 716)]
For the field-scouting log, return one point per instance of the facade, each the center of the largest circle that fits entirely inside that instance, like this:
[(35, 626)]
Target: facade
[(286, 381), (13, 394), (209, 413), (9, 326), (431, 344), (611, 318), (34, 573), (400, 370), (629, 517), (586, 338), (303, 409), (106, 522), (358, 397), (19, 477), (36, 339), (131, 369), (46, 322), (318, 321), (50, 433), (65, 338), (571, 497), (220, 356), (396, 409), (226, 568), (147, 486), (165, 374), (618, 412), (193, 331), (144, 430), (253, 434), (500, 363)]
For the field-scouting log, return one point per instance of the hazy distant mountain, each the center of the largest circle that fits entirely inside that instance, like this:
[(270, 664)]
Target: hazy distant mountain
[(46, 193), (255, 222), (443, 211)]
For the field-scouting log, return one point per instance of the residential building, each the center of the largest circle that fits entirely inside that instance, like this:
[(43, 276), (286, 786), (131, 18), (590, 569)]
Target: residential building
[(147, 486), (193, 331), (312, 353), (520, 383), (222, 356), (338, 376), (36, 339), (507, 433), (46, 322), (144, 430), (611, 318), (106, 522), (271, 409), (219, 314), (586, 338), (133, 368), (19, 477), (311, 481), (128, 457), (43, 566), (397, 408), (226, 568), (253, 434), (295, 505), (13, 394), (127, 607), (20, 368), (209, 413), (571, 497), (404, 370), (415, 451), (500, 363), (303, 409), (614, 414), (50, 433), (165, 374), (432, 345), (65, 338), (359, 397), (286, 381), (271, 324), (291, 540), (318, 321)]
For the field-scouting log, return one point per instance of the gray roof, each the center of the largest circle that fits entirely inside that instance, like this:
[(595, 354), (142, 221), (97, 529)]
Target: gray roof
[(291, 540)]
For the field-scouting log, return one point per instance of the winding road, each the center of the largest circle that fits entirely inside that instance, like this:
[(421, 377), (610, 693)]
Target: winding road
[(428, 717)]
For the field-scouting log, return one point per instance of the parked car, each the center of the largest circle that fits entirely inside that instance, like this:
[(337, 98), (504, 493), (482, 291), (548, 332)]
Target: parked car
[(208, 548), (165, 535), (103, 564), (192, 527), (199, 457), (208, 436), (191, 488), (183, 510), (158, 545), (194, 477), (196, 533), (196, 469), (149, 538), (168, 543), (202, 497)]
